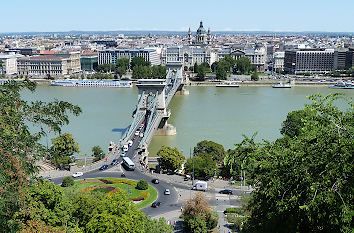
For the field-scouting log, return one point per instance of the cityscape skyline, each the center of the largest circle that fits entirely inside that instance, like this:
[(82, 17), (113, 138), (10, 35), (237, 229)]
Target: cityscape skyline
[(273, 16)]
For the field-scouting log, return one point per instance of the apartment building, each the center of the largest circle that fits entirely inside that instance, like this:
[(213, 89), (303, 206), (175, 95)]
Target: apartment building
[(110, 56)]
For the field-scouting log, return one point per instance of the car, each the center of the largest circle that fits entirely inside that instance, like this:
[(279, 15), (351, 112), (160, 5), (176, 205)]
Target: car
[(226, 191), (137, 133), (114, 162), (104, 167), (167, 192), (130, 143), (48, 178), (122, 175), (155, 181), (123, 154), (186, 178), (77, 174), (141, 135), (156, 204)]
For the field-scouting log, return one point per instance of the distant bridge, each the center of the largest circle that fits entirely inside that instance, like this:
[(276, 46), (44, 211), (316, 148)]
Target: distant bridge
[(153, 99)]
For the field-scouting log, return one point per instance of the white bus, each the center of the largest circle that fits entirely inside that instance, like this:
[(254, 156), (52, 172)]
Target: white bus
[(128, 164)]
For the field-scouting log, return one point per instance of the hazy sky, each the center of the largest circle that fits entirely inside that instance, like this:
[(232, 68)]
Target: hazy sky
[(219, 15)]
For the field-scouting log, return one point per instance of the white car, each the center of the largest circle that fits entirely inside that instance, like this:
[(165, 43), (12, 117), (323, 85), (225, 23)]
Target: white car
[(167, 192), (137, 133), (141, 135), (78, 174)]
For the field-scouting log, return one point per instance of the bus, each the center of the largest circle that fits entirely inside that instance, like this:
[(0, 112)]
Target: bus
[(128, 164)]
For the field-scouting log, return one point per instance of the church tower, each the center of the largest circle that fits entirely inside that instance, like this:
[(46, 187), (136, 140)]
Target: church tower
[(209, 37), (190, 36), (201, 35)]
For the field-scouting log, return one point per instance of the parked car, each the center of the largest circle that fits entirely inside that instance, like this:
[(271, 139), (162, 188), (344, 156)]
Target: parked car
[(155, 181), (115, 162), (167, 192), (78, 174), (141, 135), (156, 204), (226, 191), (137, 133), (123, 154), (48, 178), (104, 167)]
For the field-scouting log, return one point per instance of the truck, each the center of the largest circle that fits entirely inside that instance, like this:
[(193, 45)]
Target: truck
[(201, 185)]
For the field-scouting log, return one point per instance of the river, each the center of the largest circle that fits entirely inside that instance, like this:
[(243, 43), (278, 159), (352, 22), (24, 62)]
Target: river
[(219, 114)]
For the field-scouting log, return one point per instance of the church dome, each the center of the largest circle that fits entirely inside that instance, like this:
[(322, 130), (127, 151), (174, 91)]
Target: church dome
[(201, 29)]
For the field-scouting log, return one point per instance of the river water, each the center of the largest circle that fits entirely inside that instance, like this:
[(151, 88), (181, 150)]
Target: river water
[(219, 114)]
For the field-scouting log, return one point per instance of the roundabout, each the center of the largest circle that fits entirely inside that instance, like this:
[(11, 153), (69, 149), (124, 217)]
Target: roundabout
[(110, 185)]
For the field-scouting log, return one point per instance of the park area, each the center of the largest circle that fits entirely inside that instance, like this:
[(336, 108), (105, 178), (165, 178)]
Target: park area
[(141, 198)]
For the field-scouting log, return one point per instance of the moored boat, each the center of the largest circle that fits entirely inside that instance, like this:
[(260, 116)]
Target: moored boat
[(227, 84), (282, 85), (90, 83), (342, 85)]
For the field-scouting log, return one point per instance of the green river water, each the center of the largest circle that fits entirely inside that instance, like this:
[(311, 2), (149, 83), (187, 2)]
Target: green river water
[(213, 113)]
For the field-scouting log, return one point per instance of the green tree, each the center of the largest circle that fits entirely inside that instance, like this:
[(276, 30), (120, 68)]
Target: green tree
[(244, 66), (215, 150), (20, 149), (244, 157), (138, 61), (220, 71), (195, 68), (124, 63), (201, 73), (67, 181), (158, 226), (203, 165), (254, 76), (305, 182), (46, 202), (295, 122), (170, 159), (63, 147), (97, 153), (142, 185)]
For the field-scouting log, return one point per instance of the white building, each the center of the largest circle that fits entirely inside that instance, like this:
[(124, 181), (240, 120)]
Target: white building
[(110, 56), (9, 63), (279, 61)]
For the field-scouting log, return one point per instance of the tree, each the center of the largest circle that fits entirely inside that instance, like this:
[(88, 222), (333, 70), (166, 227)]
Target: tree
[(201, 73), (195, 68), (63, 147), (244, 157), (67, 182), (20, 149), (138, 61), (46, 202), (295, 122), (170, 159), (244, 66), (142, 185), (123, 63), (220, 71), (97, 153), (197, 215), (215, 150), (254, 76), (203, 165), (158, 226), (305, 182)]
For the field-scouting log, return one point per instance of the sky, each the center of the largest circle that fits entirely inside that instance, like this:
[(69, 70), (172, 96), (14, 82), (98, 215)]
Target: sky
[(176, 15)]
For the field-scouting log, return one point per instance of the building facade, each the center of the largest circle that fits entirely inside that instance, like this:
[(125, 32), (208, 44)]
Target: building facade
[(188, 55), (42, 65), (110, 56), (9, 63), (89, 63), (309, 60)]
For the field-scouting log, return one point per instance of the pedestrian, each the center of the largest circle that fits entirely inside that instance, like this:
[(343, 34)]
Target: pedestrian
[(181, 208)]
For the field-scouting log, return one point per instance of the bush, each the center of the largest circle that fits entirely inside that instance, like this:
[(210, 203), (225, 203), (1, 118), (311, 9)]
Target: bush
[(233, 211), (68, 181), (255, 76), (142, 185)]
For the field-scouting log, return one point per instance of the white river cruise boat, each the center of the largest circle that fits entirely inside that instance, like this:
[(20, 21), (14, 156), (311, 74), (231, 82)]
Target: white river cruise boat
[(90, 83)]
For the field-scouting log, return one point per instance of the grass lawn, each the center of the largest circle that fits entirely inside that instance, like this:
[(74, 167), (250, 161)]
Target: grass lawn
[(95, 185)]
